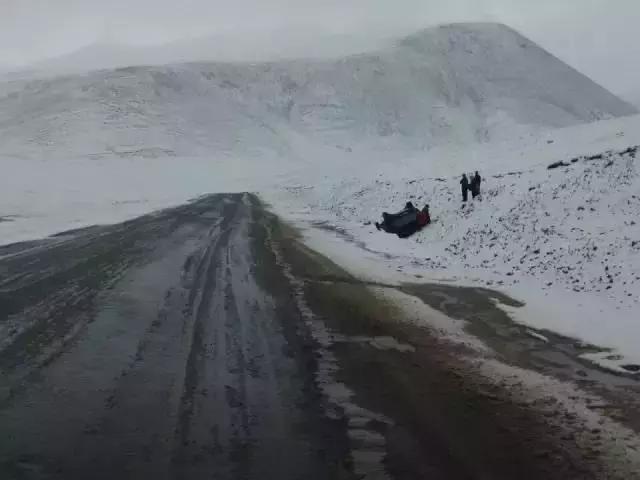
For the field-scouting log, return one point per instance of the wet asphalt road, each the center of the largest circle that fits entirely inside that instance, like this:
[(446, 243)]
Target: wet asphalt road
[(206, 342), (151, 350)]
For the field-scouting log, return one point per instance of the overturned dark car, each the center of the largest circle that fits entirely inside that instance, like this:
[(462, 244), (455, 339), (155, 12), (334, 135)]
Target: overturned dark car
[(406, 222)]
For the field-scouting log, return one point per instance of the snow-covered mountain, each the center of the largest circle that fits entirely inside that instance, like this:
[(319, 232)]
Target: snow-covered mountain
[(449, 85)]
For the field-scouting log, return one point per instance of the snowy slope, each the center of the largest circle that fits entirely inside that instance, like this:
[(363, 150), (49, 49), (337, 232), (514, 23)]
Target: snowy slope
[(448, 85), (566, 240)]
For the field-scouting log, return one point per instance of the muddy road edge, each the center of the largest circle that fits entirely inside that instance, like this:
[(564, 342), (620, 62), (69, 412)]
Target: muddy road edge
[(443, 413)]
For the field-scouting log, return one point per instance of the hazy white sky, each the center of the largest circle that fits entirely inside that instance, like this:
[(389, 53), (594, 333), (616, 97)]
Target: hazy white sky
[(599, 37)]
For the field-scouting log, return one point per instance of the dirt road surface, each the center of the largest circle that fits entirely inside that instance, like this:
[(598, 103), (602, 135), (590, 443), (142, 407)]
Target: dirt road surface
[(204, 342)]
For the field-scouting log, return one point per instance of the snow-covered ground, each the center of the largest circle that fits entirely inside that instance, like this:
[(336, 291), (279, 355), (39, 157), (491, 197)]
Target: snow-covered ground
[(336, 142), (564, 240), (39, 198)]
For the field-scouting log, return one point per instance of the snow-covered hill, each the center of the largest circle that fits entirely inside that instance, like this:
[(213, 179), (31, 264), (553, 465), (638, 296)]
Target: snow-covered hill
[(448, 85), (566, 240)]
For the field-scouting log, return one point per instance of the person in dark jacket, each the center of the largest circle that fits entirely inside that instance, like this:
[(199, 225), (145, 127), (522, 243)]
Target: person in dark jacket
[(464, 183), (475, 185)]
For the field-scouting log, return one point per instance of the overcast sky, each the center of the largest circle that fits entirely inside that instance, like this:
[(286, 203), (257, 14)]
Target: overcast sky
[(599, 37)]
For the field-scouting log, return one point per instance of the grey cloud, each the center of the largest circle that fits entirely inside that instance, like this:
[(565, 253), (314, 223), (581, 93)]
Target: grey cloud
[(595, 36)]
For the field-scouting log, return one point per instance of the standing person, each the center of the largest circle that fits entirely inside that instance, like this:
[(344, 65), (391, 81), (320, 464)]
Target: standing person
[(464, 183), (475, 185)]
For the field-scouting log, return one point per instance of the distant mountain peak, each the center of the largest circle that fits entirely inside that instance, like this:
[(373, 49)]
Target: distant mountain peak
[(453, 84)]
